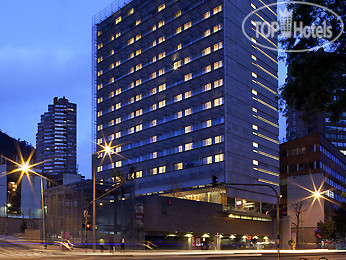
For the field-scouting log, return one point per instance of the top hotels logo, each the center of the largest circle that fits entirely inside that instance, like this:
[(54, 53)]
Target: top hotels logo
[(286, 27)]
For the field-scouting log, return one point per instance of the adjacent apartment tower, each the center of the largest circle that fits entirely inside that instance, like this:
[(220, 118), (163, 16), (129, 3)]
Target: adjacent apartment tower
[(56, 138), (183, 95)]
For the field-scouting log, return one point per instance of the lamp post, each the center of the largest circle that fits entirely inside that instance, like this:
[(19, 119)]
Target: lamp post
[(6, 215)]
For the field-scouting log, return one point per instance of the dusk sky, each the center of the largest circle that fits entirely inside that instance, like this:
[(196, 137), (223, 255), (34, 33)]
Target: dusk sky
[(45, 51)]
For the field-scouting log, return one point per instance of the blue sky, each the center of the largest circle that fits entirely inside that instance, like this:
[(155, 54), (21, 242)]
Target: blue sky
[(45, 51)]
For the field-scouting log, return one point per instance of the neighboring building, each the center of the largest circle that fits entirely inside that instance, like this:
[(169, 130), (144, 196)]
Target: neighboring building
[(310, 164), (301, 124), (183, 95), (56, 138)]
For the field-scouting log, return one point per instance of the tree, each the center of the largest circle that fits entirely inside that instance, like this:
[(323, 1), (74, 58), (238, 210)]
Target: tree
[(298, 210), (340, 221), (325, 230), (316, 79)]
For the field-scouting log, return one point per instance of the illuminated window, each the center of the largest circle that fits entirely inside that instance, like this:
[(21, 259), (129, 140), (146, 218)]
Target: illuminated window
[(131, 115), (117, 134), (138, 97), (254, 75), (178, 30), (218, 139), (118, 164), (138, 82), (161, 7), (254, 109), (179, 114), (162, 55), (139, 66), (178, 166), (112, 38), (217, 64), (154, 155), (188, 146), (207, 105), (255, 144), (99, 46), (153, 139), (208, 160), (153, 91), (131, 130), (154, 27), (154, 58), (253, 57), (139, 112), (162, 103), (253, 23), (132, 70), (177, 14), (253, 40), (138, 21), (162, 169), (153, 123), (112, 52), (187, 60), (161, 39), (253, 6), (161, 71), (207, 69), (255, 127), (132, 40), (118, 149), (139, 127), (162, 87), (139, 51), (161, 23), (99, 168), (255, 162), (139, 174), (217, 46), (218, 101), (218, 83), (177, 64), (206, 15), (99, 113), (188, 129), (206, 51), (207, 87), (110, 81), (131, 55), (99, 86), (187, 25), (208, 141), (99, 141), (187, 111), (118, 91), (154, 43), (118, 20), (99, 127), (153, 107), (188, 77), (179, 46), (219, 157), (111, 66), (207, 33), (188, 94), (117, 34), (217, 9), (217, 28), (99, 33), (99, 59), (178, 98), (208, 123), (117, 105), (254, 92), (100, 99), (111, 94), (138, 37), (180, 148), (99, 73), (132, 99), (118, 120), (153, 75), (131, 11), (117, 63), (154, 171)]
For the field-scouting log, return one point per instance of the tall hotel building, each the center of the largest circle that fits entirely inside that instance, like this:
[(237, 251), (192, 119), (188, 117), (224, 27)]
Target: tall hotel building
[(56, 138), (184, 95)]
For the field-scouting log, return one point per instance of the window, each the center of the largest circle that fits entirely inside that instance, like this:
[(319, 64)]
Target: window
[(99, 73), (117, 63), (153, 139), (162, 87), (254, 92), (112, 52), (110, 81), (154, 155), (138, 36), (162, 103), (217, 64), (219, 157), (217, 9), (118, 120), (129, 42), (139, 127), (162, 169), (132, 99), (218, 139), (161, 39), (117, 134), (139, 174), (138, 97), (118, 91), (208, 160), (117, 105), (138, 82), (254, 109), (131, 130), (138, 21), (176, 64), (161, 7), (207, 87), (188, 129), (117, 34), (118, 149), (99, 86), (139, 112), (99, 127), (111, 66), (178, 166), (253, 23), (138, 67), (154, 43), (180, 149), (254, 75), (131, 11), (188, 94), (253, 40), (179, 114), (253, 6), (131, 55), (179, 46), (187, 60), (99, 168), (178, 30), (217, 28), (208, 141), (178, 98), (118, 164), (154, 27), (206, 15), (139, 51), (207, 69), (188, 77), (112, 38), (207, 105), (255, 127), (118, 20), (100, 59), (254, 162), (153, 107), (99, 113), (187, 111), (154, 58), (218, 101), (153, 123), (161, 23), (207, 33), (153, 91), (253, 57), (218, 83), (255, 144), (177, 14), (99, 46), (153, 75), (206, 51), (100, 99), (154, 171), (188, 146), (187, 25), (162, 55), (208, 123), (99, 33), (217, 46)]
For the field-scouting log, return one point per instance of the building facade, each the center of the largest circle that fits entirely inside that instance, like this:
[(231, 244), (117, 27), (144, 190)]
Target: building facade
[(182, 95), (56, 138), (312, 173)]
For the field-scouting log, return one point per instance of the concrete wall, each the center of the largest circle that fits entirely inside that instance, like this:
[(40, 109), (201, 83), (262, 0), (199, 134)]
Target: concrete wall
[(13, 224)]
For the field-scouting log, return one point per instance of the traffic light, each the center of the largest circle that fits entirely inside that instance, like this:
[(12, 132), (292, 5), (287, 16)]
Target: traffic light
[(214, 181), (88, 226)]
